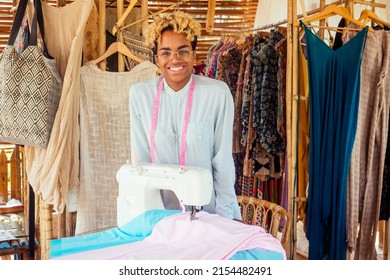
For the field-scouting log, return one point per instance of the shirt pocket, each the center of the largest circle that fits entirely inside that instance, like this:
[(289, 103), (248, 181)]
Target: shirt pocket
[(197, 134)]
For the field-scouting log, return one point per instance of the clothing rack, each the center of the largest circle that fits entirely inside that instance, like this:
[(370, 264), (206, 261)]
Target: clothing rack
[(285, 21), (292, 102), (120, 11)]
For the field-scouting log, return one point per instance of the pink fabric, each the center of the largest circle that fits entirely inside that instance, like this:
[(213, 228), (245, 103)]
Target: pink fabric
[(210, 237)]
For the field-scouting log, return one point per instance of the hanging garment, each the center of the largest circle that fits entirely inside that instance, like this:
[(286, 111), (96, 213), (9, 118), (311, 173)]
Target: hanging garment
[(227, 67), (53, 171), (248, 133), (238, 98), (214, 58), (334, 86), (281, 49), (210, 56), (245, 109), (105, 140), (266, 115), (257, 161), (302, 164), (233, 69), (238, 148), (369, 151)]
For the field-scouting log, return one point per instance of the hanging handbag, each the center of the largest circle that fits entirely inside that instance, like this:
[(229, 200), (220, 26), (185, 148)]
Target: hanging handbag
[(30, 86)]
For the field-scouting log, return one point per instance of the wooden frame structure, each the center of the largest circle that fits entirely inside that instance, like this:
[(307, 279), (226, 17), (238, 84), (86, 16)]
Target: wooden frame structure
[(291, 99), (292, 103)]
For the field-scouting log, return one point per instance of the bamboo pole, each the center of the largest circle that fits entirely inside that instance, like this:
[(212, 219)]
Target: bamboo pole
[(294, 113), (41, 229), (373, 9), (290, 78), (26, 200), (3, 175), (37, 225), (91, 36), (15, 174), (119, 13), (351, 7), (47, 230), (102, 32), (321, 32), (60, 3), (373, 3), (210, 15), (144, 14)]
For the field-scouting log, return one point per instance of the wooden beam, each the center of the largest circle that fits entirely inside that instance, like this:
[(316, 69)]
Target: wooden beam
[(120, 10), (3, 175), (102, 32), (322, 22), (144, 14), (379, 5), (16, 182), (210, 15), (202, 4), (291, 114)]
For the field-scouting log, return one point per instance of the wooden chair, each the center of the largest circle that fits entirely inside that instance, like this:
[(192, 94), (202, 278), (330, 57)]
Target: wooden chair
[(270, 216)]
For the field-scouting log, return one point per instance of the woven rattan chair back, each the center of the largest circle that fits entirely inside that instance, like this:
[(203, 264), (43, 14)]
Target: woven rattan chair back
[(270, 216)]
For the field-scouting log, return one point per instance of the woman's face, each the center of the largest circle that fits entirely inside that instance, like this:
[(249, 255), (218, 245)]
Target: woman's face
[(175, 59)]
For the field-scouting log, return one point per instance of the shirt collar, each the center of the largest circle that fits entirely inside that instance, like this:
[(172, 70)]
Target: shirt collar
[(183, 91)]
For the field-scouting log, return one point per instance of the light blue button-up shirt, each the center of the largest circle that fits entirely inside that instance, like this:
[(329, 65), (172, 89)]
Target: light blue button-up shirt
[(209, 133)]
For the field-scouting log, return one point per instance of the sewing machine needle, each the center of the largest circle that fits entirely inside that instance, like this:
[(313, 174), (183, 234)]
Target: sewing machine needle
[(193, 213)]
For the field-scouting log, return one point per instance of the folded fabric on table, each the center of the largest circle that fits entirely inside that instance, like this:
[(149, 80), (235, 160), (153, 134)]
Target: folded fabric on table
[(169, 234)]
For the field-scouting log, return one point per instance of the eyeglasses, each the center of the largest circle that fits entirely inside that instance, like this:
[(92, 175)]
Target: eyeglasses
[(182, 54)]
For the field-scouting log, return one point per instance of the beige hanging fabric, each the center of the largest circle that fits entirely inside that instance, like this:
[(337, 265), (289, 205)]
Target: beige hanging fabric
[(369, 151), (105, 140), (52, 171)]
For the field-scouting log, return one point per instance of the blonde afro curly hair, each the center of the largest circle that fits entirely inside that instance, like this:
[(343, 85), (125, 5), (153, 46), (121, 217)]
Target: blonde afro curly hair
[(177, 21)]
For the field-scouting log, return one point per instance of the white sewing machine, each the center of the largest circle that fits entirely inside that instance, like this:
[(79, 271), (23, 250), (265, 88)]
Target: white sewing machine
[(140, 185)]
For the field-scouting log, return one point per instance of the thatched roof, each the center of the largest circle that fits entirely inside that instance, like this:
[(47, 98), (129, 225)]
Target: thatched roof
[(232, 17)]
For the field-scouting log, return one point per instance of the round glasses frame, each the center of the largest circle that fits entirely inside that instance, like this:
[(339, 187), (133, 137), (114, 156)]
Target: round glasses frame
[(180, 54)]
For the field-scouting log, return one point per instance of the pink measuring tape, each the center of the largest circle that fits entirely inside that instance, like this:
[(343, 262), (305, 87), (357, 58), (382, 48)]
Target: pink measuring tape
[(156, 107)]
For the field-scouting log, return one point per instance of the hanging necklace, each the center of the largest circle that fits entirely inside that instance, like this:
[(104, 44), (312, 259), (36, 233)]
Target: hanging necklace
[(156, 107)]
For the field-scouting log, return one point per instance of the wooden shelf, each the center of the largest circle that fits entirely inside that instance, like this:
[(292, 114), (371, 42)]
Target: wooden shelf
[(11, 209)]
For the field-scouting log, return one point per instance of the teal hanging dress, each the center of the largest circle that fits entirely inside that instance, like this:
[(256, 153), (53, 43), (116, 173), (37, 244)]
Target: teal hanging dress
[(334, 87)]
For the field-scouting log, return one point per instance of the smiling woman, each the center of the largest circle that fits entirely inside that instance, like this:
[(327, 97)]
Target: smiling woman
[(175, 33), (184, 119)]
